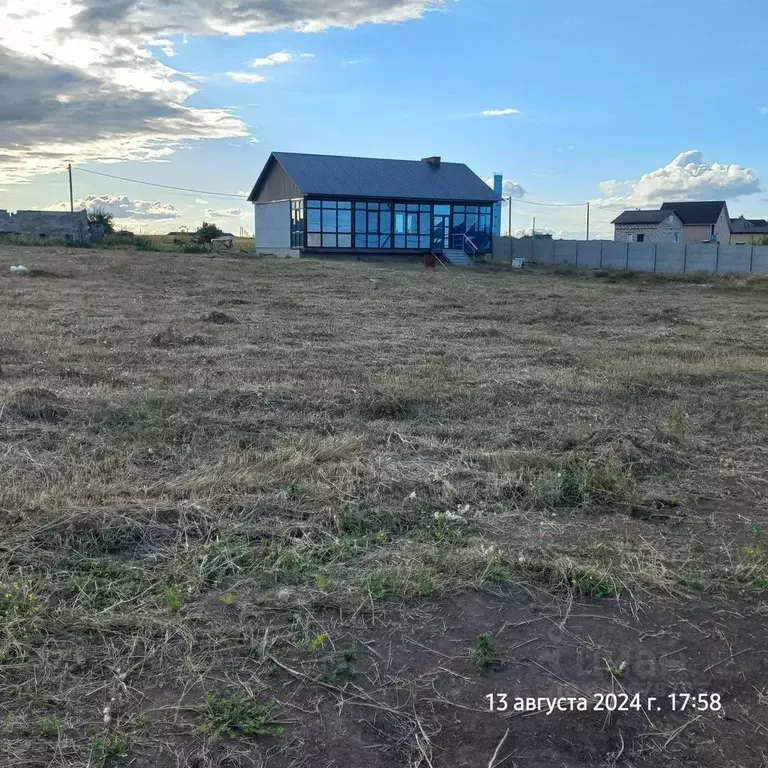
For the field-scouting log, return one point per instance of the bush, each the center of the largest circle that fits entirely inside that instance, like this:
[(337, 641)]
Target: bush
[(207, 232)]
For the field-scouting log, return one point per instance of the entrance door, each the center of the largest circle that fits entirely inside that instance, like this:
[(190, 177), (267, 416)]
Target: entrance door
[(441, 227)]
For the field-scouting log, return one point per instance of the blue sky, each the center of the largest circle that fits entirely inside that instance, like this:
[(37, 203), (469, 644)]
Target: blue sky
[(601, 92)]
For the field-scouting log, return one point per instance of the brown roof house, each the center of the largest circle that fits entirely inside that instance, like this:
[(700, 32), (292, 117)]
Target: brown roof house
[(703, 222)]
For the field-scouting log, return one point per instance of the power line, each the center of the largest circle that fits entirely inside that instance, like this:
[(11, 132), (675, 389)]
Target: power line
[(162, 186)]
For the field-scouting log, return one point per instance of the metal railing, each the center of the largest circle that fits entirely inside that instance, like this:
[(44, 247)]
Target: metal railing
[(463, 243)]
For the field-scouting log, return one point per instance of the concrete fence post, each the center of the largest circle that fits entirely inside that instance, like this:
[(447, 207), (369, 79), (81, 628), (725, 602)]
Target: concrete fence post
[(655, 255), (751, 256), (685, 259), (626, 248), (717, 258)]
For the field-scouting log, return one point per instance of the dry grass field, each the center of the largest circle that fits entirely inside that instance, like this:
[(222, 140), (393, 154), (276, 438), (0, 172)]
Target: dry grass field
[(308, 515)]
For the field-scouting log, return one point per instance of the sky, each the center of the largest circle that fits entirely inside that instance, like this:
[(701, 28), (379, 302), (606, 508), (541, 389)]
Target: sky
[(622, 105)]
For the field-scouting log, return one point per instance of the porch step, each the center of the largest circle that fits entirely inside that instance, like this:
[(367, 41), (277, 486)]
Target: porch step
[(458, 258)]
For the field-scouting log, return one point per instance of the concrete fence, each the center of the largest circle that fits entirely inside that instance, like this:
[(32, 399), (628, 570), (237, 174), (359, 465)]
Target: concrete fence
[(640, 257)]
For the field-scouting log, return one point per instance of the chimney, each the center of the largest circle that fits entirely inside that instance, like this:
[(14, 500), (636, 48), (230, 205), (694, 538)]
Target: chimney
[(434, 161)]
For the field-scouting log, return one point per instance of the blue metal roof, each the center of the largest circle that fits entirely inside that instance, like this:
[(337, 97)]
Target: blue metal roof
[(336, 176)]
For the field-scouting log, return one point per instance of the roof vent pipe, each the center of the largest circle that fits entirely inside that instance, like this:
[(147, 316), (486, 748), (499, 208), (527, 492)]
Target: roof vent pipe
[(435, 161)]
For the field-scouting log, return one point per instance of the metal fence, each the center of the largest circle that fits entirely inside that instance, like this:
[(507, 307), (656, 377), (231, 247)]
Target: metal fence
[(640, 257)]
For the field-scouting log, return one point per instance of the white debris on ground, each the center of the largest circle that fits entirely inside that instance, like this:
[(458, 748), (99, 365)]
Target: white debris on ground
[(19, 269)]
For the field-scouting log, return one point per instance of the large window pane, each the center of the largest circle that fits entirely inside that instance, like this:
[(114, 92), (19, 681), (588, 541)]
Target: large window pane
[(413, 207), (424, 242), (329, 220), (413, 241), (386, 241), (313, 241), (345, 241), (399, 241), (344, 204), (313, 203), (425, 208), (471, 224), (386, 207), (399, 224), (373, 241), (385, 222), (360, 221), (442, 210), (373, 221), (425, 223), (345, 221), (399, 206), (412, 223), (459, 222), (329, 241), (360, 241), (329, 203), (485, 209), (313, 220)]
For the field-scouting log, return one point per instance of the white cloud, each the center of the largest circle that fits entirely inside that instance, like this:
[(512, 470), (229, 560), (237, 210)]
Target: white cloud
[(226, 213), (123, 207), (166, 46), (281, 57), (499, 112), (201, 202), (509, 188), (687, 177), (253, 140), (350, 62), (763, 110), (81, 81), (246, 77)]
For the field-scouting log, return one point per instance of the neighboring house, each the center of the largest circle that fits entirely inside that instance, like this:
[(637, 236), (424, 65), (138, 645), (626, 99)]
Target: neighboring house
[(53, 225), (332, 204), (648, 227), (706, 221), (749, 231)]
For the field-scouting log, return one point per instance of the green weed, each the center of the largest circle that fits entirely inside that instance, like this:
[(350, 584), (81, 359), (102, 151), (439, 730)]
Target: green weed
[(237, 716), (484, 654)]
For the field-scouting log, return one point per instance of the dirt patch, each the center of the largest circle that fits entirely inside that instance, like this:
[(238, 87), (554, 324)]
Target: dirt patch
[(171, 337), (34, 404), (219, 318)]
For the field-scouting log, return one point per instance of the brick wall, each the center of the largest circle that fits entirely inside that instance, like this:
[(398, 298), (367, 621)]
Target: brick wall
[(669, 231)]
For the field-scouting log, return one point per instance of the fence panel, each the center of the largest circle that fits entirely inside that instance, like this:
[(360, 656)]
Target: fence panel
[(565, 252), (733, 259), (670, 257), (544, 250), (588, 253), (760, 259), (701, 257), (641, 257), (614, 255)]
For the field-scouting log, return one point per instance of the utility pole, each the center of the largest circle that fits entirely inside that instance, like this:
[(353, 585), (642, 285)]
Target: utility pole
[(587, 220), (510, 216), (71, 196), (533, 229)]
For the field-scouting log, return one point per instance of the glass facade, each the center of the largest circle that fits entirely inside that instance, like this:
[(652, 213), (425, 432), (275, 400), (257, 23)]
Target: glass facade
[(359, 224), (297, 223)]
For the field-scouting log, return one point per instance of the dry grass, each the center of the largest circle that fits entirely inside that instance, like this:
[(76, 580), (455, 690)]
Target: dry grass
[(192, 446)]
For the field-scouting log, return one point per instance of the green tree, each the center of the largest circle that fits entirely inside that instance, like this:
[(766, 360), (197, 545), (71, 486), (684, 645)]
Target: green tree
[(207, 232), (103, 217)]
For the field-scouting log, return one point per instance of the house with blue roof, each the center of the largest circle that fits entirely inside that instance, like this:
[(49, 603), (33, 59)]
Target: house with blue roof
[(327, 204)]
